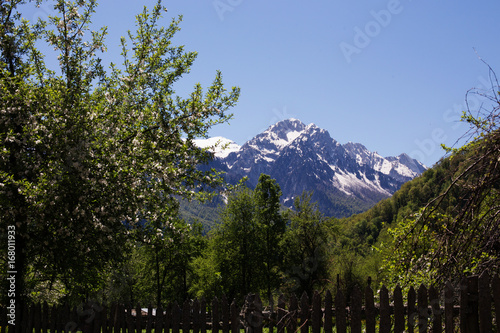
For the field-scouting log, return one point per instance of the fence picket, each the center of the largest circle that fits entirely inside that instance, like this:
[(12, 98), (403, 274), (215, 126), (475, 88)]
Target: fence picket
[(304, 313), (436, 310), (478, 310), (235, 317), (45, 317), (316, 313), (495, 286), (484, 303), (399, 311), (356, 307), (281, 314), (258, 302), (130, 323), (203, 315), (37, 314), (176, 318), (215, 315), (225, 310), (149, 322), (53, 319), (158, 320), (186, 316), (138, 319), (369, 310), (196, 316), (291, 326), (412, 310), (328, 324), (449, 304), (468, 305), (385, 311), (423, 314), (340, 312)]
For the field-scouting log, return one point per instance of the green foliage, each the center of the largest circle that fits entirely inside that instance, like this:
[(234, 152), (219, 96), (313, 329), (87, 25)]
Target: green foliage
[(235, 249), (271, 226), (86, 154), (364, 241), (458, 232), (305, 246)]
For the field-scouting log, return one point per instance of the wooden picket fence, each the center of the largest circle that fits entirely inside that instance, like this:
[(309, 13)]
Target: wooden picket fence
[(474, 306)]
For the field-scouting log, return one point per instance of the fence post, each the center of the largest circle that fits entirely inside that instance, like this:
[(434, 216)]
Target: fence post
[(304, 313), (356, 307), (317, 313), (176, 318), (385, 311), (196, 316), (280, 318), (484, 303), (340, 312), (149, 323), (138, 319), (203, 315), (399, 311), (423, 311), (251, 313), (37, 315), (436, 310), (369, 310), (449, 303), (158, 320), (129, 319), (328, 324), (272, 314), (53, 319), (45, 317), (235, 317), (412, 310), (225, 311), (215, 315), (495, 286), (99, 320), (292, 321), (469, 320), (186, 316)]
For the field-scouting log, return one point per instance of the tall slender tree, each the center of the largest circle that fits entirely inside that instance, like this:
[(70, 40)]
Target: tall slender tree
[(272, 227)]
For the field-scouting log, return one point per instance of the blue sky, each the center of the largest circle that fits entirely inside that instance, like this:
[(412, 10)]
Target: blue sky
[(390, 74)]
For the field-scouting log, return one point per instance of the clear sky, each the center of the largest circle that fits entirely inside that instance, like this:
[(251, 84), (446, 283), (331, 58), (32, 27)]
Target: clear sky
[(390, 74)]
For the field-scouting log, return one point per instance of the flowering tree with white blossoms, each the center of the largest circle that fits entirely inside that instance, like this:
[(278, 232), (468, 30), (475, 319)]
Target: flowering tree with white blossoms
[(86, 153)]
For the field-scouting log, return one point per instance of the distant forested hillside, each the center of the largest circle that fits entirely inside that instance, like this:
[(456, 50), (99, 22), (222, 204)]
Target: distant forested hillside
[(438, 227)]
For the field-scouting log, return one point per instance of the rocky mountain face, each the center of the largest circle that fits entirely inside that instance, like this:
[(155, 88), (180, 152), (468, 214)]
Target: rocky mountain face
[(345, 178)]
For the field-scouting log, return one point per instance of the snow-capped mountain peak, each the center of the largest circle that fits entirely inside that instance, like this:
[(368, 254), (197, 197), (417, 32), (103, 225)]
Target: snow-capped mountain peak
[(345, 179), (220, 146), (280, 134)]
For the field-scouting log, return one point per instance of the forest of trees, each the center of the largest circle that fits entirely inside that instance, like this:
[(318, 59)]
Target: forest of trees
[(94, 162)]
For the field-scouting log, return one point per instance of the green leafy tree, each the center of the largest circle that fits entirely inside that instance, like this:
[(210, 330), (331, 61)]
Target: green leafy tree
[(237, 247), (306, 246), (272, 226), (87, 153), (160, 263), (244, 254)]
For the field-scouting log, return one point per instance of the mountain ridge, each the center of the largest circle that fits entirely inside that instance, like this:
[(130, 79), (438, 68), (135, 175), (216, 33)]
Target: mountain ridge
[(345, 178)]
